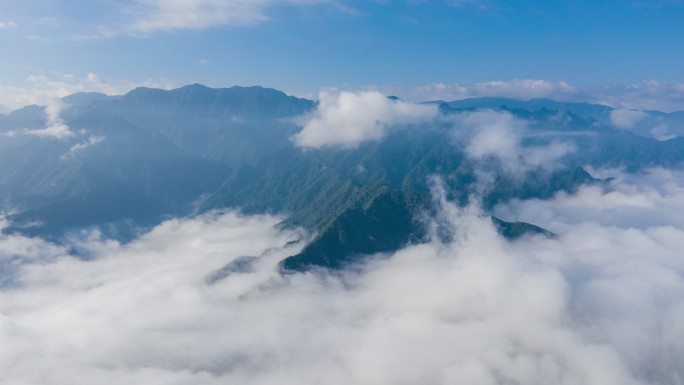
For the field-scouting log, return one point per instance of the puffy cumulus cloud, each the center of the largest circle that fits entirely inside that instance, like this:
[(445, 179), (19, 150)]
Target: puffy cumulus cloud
[(347, 119), (164, 15), (498, 135), (626, 119), (596, 305)]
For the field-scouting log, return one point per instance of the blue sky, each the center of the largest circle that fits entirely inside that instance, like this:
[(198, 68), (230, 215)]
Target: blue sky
[(414, 48)]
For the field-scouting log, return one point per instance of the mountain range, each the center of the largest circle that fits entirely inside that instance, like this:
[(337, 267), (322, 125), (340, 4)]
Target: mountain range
[(127, 162)]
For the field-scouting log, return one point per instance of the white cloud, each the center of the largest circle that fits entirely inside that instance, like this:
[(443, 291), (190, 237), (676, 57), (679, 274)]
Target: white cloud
[(662, 132), (495, 134), (599, 305), (79, 147), (18, 250), (626, 119), (164, 15), (653, 198), (489, 134), (54, 125), (7, 24), (347, 119)]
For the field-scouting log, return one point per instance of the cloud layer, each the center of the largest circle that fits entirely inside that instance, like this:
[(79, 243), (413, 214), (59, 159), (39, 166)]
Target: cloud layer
[(601, 304), (347, 119)]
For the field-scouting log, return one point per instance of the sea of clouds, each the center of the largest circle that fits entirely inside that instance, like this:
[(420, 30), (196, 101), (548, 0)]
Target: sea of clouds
[(602, 303)]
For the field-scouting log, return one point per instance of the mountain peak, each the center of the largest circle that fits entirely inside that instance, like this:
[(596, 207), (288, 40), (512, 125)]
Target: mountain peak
[(253, 101), (84, 98)]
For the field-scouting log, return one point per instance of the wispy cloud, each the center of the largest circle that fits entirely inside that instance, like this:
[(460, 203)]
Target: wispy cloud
[(8, 24), (497, 135), (348, 119), (79, 147), (477, 4), (626, 119), (165, 15), (48, 89), (54, 124)]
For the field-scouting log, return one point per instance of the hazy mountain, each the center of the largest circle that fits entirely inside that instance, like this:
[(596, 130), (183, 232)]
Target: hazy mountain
[(136, 158), (114, 172), (30, 117), (596, 112), (81, 99), (653, 124), (228, 125)]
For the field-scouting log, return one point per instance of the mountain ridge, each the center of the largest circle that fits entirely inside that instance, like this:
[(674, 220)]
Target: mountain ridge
[(156, 153)]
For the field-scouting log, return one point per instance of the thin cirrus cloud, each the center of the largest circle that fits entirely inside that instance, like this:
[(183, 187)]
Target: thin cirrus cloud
[(164, 15), (7, 24), (347, 119), (598, 305)]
